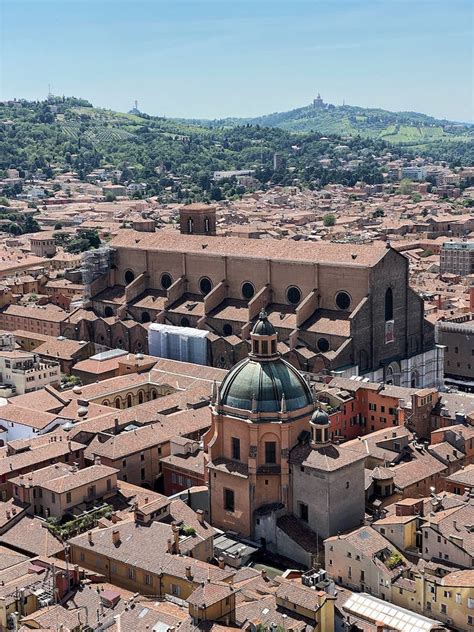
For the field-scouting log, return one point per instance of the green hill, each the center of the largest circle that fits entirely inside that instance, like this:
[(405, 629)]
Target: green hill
[(176, 159), (410, 128)]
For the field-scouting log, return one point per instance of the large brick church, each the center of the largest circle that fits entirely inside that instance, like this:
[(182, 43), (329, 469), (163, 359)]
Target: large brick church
[(340, 309)]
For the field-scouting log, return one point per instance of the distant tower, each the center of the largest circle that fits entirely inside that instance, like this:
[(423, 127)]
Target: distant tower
[(277, 161), (197, 219), (136, 104), (318, 102)]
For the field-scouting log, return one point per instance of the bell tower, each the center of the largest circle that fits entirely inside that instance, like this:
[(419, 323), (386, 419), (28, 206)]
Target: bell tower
[(197, 219)]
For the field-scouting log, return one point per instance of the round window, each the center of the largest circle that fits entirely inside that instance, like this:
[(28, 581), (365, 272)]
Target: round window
[(227, 329), (166, 280), (323, 345), (129, 276), (343, 300), (184, 322), (293, 295), (248, 290), (205, 285)]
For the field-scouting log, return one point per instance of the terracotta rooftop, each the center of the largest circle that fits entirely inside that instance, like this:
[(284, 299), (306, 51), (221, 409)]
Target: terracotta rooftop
[(279, 250), (29, 534)]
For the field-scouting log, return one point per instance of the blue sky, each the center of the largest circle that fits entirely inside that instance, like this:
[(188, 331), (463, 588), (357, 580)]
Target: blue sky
[(216, 58)]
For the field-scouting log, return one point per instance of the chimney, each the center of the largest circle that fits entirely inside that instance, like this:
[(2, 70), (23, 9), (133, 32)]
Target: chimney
[(264, 573), (116, 537), (89, 535), (116, 426), (200, 516), (8, 514), (170, 545), (97, 460), (175, 529), (221, 562), (189, 575)]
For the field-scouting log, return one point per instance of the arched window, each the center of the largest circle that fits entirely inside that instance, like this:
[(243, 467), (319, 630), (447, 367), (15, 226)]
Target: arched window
[(140, 397), (293, 295), (389, 304), (108, 311), (166, 280), (129, 276), (129, 401), (248, 290), (414, 379), (117, 402), (190, 225), (153, 394), (227, 329), (343, 300), (323, 345), (146, 317), (205, 285), (184, 322)]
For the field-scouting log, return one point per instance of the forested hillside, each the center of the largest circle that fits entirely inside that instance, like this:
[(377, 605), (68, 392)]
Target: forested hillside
[(68, 133)]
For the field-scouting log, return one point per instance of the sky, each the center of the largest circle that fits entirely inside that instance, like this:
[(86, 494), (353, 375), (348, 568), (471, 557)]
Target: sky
[(219, 58)]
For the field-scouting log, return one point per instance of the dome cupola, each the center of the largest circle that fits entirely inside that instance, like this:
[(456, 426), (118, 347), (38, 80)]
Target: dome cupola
[(319, 428), (264, 338), (264, 385)]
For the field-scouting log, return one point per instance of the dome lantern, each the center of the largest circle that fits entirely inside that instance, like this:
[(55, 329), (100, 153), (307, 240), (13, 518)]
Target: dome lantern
[(319, 428), (263, 385), (264, 338)]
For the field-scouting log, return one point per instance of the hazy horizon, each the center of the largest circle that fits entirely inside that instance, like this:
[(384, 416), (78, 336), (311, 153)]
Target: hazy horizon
[(215, 59)]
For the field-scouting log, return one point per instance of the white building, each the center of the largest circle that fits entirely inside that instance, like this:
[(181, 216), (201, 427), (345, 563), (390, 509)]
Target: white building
[(22, 372)]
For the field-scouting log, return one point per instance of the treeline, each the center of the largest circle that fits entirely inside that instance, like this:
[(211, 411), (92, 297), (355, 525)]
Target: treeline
[(177, 160)]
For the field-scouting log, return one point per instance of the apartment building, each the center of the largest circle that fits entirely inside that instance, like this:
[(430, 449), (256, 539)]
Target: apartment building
[(24, 456), (457, 257), (23, 372), (55, 491), (364, 560)]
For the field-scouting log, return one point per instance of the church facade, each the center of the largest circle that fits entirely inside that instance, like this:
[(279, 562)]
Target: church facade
[(270, 458)]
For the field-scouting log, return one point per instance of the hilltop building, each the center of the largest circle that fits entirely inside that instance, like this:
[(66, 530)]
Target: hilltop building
[(319, 103)]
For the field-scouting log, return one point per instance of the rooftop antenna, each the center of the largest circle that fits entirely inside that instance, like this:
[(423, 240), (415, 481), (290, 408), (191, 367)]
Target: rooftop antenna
[(136, 104)]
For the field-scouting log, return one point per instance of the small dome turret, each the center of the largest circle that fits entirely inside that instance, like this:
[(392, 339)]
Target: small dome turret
[(319, 428), (320, 418)]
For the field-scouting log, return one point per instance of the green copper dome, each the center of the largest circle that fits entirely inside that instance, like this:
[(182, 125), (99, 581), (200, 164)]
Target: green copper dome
[(260, 386)]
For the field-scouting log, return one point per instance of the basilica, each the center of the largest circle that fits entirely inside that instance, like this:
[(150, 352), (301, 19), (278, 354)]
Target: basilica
[(274, 475)]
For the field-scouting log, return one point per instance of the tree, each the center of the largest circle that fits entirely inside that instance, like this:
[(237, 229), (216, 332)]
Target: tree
[(58, 226), (110, 197), (30, 225), (405, 187), (329, 219), (14, 229), (216, 194)]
